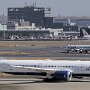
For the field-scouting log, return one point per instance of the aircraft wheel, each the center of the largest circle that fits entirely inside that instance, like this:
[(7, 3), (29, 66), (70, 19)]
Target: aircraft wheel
[(67, 51), (47, 80)]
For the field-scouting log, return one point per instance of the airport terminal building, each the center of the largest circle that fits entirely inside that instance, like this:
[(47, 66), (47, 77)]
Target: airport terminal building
[(37, 22), (40, 16), (31, 13)]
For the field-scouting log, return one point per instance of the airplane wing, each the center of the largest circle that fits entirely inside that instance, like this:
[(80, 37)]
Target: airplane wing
[(49, 71)]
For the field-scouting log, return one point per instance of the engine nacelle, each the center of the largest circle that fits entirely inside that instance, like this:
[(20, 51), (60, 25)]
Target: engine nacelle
[(63, 75), (73, 50), (80, 51)]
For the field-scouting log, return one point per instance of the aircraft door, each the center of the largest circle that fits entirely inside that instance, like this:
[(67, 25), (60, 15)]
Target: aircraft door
[(82, 68), (4, 66), (39, 65)]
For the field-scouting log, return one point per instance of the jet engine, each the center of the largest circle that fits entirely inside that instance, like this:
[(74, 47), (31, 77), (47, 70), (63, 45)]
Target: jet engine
[(80, 51), (63, 75), (73, 50)]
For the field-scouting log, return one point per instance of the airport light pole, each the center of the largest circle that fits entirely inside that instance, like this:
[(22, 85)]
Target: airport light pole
[(3, 28)]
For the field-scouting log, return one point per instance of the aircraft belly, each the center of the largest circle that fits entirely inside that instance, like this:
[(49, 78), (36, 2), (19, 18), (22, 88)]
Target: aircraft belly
[(81, 74), (26, 73)]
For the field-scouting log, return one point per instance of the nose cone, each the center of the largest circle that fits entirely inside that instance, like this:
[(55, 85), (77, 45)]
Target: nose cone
[(63, 48), (1, 58)]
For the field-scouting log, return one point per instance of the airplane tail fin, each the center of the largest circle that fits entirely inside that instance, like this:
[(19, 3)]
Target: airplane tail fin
[(1, 58), (84, 32)]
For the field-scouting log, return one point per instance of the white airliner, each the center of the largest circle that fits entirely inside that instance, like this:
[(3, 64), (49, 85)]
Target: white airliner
[(77, 48), (54, 70), (86, 35)]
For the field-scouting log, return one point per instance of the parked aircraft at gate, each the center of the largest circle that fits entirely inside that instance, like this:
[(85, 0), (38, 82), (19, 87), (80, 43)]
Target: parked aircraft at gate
[(54, 70), (86, 35)]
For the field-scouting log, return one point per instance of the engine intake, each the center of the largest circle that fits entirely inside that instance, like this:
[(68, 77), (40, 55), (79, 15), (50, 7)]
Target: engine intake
[(63, 75)]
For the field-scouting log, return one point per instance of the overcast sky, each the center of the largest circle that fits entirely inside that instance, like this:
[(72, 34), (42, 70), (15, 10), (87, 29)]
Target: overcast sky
[(58, 7)]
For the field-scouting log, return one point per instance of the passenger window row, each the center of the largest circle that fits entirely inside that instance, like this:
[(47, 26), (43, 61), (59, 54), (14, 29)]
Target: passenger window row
[(47, 66), (64, 66), (29, 65), (87, 69)]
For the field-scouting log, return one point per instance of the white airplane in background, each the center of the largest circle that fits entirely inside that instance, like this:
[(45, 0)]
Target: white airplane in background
[(77, 48), (54, 70), (86, 35)]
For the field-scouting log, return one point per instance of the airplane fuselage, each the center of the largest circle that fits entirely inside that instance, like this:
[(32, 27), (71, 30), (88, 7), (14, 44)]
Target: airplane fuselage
[(81, 68), (75, 48)]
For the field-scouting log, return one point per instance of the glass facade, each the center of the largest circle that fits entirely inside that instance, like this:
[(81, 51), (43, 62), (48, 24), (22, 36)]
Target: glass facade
[(31, 14)]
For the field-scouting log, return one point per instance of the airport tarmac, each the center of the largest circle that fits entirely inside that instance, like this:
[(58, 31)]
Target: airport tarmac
[(31, 83), (41, 50), (43, 43)]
